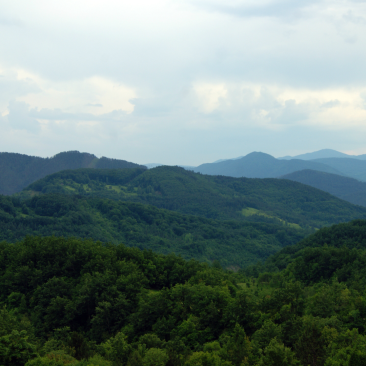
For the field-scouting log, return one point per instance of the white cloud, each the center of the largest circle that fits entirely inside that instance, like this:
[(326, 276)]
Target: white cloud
[(199, 79)]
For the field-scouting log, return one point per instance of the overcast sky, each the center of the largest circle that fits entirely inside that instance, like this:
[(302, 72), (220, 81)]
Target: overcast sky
[(182, 82)]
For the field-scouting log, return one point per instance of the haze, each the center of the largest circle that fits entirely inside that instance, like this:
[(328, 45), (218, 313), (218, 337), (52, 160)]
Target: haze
[(182, 82)]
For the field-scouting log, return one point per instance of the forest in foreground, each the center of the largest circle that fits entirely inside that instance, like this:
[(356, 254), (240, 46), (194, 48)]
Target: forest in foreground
[(80, 302)]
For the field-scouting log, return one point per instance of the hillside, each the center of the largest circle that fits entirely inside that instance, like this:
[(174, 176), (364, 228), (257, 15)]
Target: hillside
[(215, 197), (353, 168), (351, 235), (347, 189), (260, 165), (18, 171), (232, 243), (76, 302), (324, 154)]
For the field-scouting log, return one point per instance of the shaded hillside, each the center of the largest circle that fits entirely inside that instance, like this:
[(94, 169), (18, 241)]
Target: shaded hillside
[(260, 165), (217, 197), (233, 243), (18, 171), (348, 189), (351, 235), (353, 168)]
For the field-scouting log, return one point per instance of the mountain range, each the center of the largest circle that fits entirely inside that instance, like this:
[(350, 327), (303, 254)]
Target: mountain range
[(324, 154), (261, 165), (18, 170)]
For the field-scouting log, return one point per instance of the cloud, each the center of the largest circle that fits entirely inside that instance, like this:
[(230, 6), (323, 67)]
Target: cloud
[(331, 104), (197, 79), (274, 8), (19, 118)]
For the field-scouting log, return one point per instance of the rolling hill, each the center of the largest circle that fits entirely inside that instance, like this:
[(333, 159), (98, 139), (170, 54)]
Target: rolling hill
[(215, 197), (353, 168), (18, 171), (260, 165), (348, 236), (235, 244), (347, 189)]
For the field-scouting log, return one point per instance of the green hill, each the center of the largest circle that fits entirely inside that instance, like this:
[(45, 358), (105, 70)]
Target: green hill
[(18, 171), (345, 188), (234, 244), (351, 235), (216, 197), (261, 165)]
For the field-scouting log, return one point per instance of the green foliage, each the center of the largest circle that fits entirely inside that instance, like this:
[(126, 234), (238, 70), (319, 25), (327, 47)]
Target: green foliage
[(83, 303), (276, 354), (55, 358), (216, 197), (155, 357), (233, 243)]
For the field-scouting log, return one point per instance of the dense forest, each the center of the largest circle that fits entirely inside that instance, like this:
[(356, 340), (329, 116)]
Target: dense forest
[(79, 302), (18, 170), (351, 235), (167, 267), (233, 243), (216, 197)]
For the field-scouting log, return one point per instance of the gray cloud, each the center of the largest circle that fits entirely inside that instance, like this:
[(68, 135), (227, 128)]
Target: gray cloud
[(58, 114), (20, 119), (331, 104), (277, 9), (352, 18), (94, 105), (162, 56)]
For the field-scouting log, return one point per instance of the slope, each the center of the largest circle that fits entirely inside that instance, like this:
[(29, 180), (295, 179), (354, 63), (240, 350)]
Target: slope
[(18, 171), (260, 165), (233, 243), (216, 197), (351, 235), (353, 168), (348, 189), (324, 154)]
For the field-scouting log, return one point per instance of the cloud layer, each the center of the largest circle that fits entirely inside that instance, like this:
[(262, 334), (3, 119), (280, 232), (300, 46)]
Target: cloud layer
[(182, 82)]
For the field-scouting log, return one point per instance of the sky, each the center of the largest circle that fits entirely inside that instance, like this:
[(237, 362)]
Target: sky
[(182, 82)]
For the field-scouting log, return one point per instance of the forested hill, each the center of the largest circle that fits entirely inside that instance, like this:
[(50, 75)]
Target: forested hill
[(348, 189), (260, 165), (351, 235), (234, 244), (217, 197), (18, 171), (79, 303)]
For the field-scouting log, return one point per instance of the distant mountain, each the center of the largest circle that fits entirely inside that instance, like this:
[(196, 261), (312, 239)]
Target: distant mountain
[(155, 165), (152, 165), (323, 154), (18, 171), (260, 165), (348, 189), (353, 168), (220, 160), (216, 197)]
